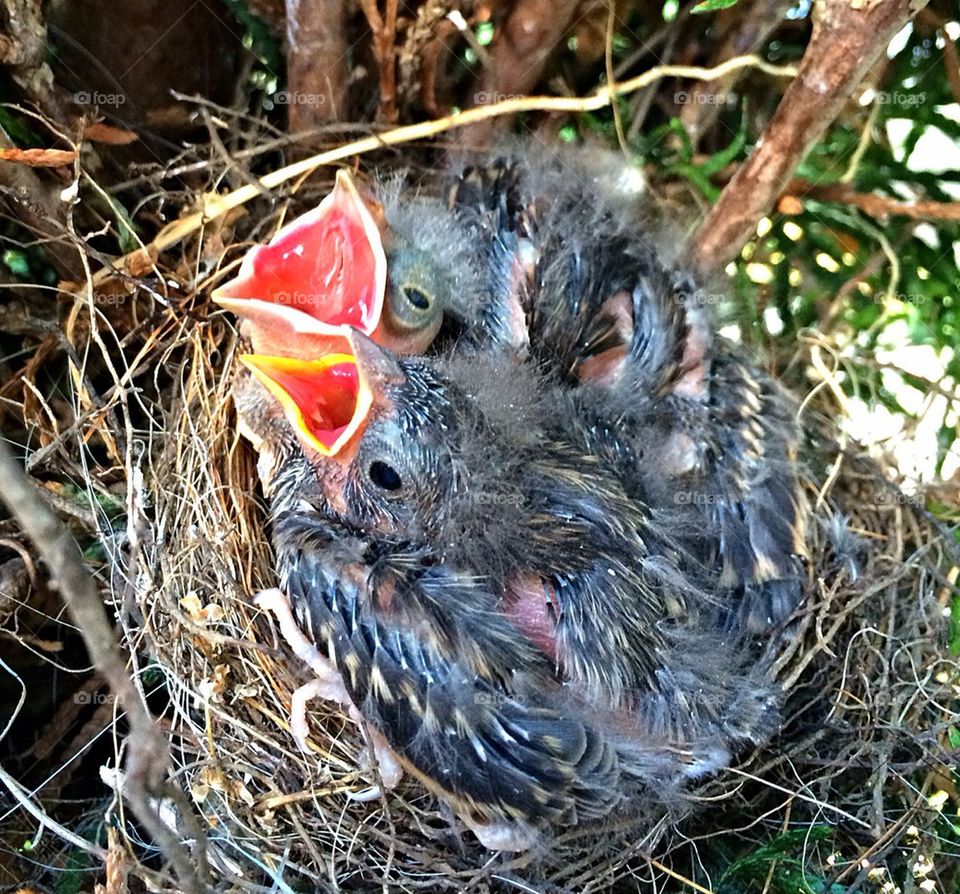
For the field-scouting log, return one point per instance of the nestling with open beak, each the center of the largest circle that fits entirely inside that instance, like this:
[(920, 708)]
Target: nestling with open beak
[(531, 642), (392, 266)]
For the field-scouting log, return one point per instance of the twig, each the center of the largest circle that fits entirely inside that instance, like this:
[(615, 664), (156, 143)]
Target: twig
[(687, 882), (873, 204), (611, 77), (148, 757), (215, 206), (384, 29), (847, 39), (22, 797)]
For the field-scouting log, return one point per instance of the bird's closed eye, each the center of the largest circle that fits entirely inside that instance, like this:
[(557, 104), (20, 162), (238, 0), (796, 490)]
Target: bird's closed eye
[(384, 476)]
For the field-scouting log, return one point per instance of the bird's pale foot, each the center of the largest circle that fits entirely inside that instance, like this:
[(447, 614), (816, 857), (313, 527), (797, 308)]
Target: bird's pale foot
[(274, 601), (298, 711), (328, 684), (502, 835), (388, 766)]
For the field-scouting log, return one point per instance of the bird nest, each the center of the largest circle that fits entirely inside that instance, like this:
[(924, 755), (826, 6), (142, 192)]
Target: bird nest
[(845, 793), (868, 708)]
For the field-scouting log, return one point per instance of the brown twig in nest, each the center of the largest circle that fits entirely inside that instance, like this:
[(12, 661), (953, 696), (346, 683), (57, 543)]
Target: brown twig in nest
[(215, 206), (148, 758)]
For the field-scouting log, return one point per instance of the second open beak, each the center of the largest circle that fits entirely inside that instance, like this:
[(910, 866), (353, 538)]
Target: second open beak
[(326, 400)]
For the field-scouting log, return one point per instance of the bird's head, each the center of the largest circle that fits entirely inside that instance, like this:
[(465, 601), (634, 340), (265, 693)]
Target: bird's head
[(374, 428), (409, 448), (389, 269)]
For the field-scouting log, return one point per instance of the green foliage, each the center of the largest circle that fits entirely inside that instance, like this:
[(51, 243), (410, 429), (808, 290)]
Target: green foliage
[(699, 174), (18, 130), (27, 263), (712, 6), (265, 75), (776, 867), (888, 281), (75, 876)]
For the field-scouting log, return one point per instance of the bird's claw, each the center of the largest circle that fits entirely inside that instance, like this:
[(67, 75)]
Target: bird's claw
[(298, 711), (387, 764), (374, 793), (327, 684), (502, 835)]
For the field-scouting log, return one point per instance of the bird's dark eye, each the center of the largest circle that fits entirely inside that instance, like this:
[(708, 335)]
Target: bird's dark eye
[(385, 476), (416, 297), (411, 307)]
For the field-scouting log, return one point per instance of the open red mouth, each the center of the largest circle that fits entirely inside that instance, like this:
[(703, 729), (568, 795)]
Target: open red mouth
[(321, 273), (326, 400)]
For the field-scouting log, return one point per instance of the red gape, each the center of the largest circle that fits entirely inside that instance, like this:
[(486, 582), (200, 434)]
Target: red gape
[(322, 273)]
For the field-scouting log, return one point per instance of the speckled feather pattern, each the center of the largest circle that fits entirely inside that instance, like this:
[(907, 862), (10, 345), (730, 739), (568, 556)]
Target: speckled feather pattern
[(539, 502)]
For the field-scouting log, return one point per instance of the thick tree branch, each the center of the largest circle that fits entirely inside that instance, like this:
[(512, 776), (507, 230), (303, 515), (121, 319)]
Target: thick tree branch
[(317, 73), (848, 37)]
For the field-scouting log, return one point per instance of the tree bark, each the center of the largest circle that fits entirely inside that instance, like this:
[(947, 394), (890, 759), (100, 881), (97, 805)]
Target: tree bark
[(848, 37), (317, 73)]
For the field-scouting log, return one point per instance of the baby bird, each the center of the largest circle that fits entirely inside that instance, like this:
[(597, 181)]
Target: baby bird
[(683, 416), (535, 258), (526, 636), (387, 263)]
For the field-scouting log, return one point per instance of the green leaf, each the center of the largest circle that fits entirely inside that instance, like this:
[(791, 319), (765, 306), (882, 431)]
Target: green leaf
[(712, 6), (19, 131), (953, 737), (16, 262), (484, 33), (126, 229)]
